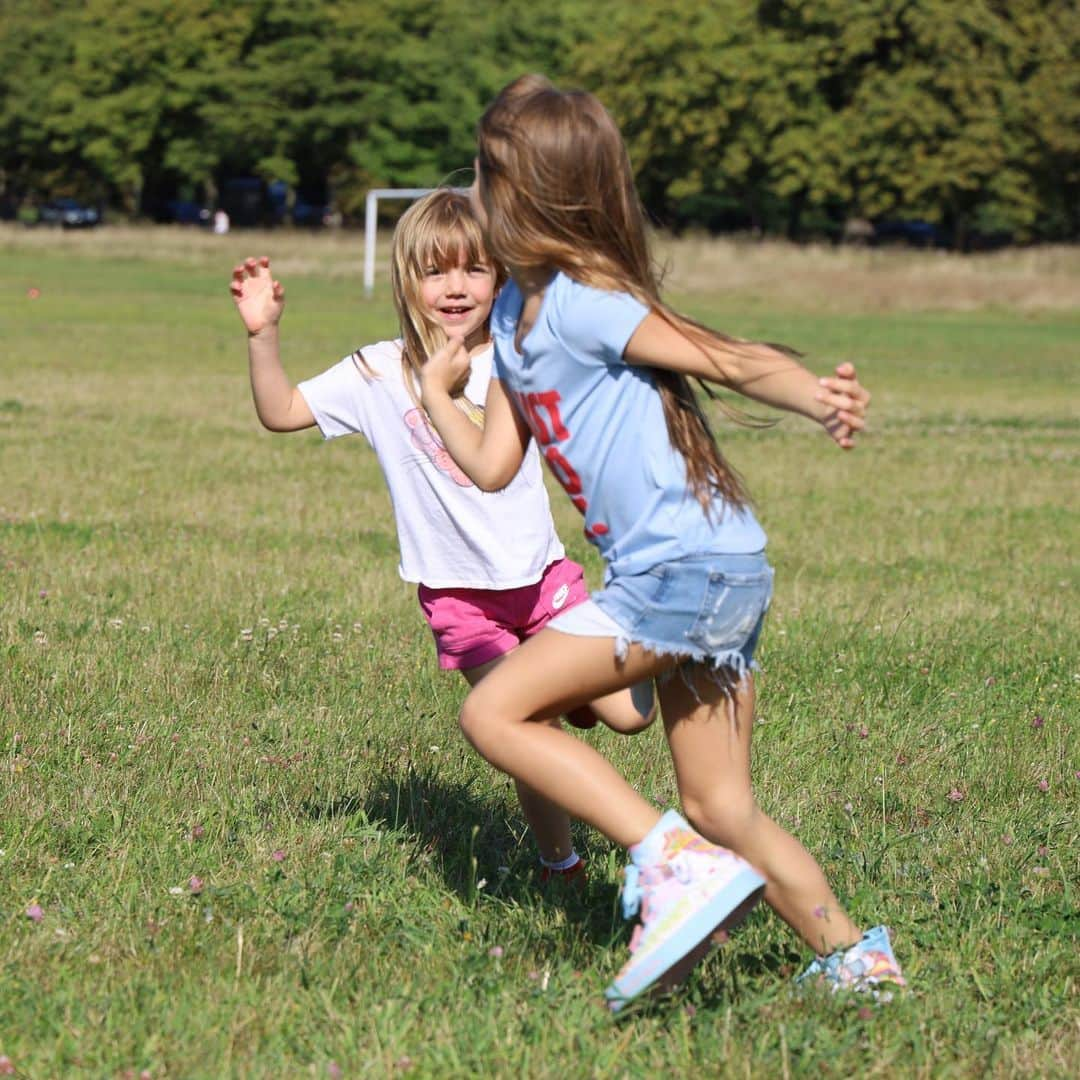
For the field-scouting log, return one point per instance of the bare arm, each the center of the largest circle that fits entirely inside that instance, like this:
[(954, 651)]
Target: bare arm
[(491, 457), (759, 372), (260, 301)]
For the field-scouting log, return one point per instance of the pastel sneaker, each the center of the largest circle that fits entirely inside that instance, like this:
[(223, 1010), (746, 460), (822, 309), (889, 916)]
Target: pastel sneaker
[(695, 890), (862, 967)]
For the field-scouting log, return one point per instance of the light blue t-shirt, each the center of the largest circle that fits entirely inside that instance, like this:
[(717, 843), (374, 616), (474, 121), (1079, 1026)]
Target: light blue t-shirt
[(600, 425)]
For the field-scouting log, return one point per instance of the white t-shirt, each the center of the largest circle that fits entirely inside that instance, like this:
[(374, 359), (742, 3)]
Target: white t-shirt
[(451, 534)]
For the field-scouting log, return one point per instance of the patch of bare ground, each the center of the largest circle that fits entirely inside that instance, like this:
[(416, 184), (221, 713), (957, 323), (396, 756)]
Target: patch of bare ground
[(812, 277)]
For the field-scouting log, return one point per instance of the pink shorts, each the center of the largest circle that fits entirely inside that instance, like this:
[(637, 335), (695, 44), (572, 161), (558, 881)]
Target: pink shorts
[(473, 626)]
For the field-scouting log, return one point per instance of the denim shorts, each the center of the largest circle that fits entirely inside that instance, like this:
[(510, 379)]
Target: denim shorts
[(704, 608)]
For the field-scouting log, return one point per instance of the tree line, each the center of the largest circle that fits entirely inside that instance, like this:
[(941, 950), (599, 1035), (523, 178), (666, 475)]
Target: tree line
[(782, 116)]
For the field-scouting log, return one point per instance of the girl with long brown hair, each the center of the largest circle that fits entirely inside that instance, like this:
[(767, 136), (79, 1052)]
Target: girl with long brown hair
[(489, 569), (593, 366)]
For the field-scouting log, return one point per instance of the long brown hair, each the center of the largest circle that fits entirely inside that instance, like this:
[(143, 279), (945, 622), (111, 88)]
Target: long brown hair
[(557, 190), (436, 231)]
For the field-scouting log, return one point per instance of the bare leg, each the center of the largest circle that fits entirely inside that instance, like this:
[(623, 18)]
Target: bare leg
[(710, 745), (617, 711), (550, 824), (547, 675)]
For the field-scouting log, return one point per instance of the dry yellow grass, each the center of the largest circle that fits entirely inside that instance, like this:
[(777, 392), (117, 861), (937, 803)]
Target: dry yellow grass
[(817, 278), (875, 279)]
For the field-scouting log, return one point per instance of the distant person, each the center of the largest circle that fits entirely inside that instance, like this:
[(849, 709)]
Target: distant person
[(221, 222), (593, 366), (490, 568)]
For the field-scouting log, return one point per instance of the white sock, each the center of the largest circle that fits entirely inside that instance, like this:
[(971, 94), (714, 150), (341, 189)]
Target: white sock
[(559, 865)]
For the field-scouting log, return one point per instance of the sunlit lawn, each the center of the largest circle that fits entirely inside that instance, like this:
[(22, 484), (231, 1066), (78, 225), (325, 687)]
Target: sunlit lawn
[(240, 834)]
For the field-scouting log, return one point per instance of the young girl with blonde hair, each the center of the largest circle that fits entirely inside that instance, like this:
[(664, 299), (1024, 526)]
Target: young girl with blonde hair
[(490, 569), (595, 368)]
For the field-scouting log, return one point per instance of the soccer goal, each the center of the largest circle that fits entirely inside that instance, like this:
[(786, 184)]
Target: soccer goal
[(371, 210)]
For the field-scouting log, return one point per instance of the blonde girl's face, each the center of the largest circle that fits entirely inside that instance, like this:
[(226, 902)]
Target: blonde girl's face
[(458, 296)]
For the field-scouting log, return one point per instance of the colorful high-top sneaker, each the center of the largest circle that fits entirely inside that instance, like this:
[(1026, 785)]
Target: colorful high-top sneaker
[(861, 967), (695, 890)]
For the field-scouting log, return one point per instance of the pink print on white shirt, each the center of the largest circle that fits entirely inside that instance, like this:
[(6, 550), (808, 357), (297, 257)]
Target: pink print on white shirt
[(424, 438)]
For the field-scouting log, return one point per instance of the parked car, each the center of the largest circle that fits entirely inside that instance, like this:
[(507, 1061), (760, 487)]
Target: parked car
[(309, 215), (69, 214), (914, 232), (251, 202), (186, 212)]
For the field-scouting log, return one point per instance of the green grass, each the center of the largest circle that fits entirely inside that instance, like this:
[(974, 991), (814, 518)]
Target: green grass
[(925, 616)]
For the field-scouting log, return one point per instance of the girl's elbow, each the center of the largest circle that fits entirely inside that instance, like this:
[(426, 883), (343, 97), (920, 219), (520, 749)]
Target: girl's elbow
[(495, 479), (489, 482), (275, 423)]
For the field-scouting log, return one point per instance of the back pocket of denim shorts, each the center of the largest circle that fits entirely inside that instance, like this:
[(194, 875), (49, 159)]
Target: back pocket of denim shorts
[(731, 608)]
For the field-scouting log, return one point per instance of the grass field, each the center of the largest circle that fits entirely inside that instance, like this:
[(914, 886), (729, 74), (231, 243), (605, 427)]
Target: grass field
[(240, 834)]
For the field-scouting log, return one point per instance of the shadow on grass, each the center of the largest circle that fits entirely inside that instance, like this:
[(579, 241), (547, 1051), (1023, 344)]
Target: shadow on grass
[(480, 843), (478, 839)]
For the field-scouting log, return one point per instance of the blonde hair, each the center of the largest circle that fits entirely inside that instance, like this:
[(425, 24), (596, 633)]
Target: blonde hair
[(558, 192), (435, 232)]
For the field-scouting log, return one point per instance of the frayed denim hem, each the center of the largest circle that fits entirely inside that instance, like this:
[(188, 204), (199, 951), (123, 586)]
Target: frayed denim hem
[(728, 670)]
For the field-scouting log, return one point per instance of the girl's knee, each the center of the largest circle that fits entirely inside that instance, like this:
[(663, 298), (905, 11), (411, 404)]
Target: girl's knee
[(629, 721), (631, 725), (471, 720), (720, 817), (481, 722), (628, 712)]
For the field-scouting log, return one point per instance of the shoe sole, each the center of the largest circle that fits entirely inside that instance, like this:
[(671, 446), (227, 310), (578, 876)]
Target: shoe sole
[(675, 959), (676, 975)]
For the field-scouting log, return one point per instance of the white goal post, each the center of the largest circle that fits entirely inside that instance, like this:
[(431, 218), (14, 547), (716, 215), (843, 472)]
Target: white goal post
[(371, 209)]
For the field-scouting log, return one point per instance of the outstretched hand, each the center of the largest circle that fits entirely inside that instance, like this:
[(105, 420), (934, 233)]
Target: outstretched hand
[(847, 401), (259, 299), (447, 369)]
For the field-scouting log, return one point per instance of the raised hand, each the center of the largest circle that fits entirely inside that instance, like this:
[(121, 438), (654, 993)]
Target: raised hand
[(847, 401), (447, 369), (259, 299)]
